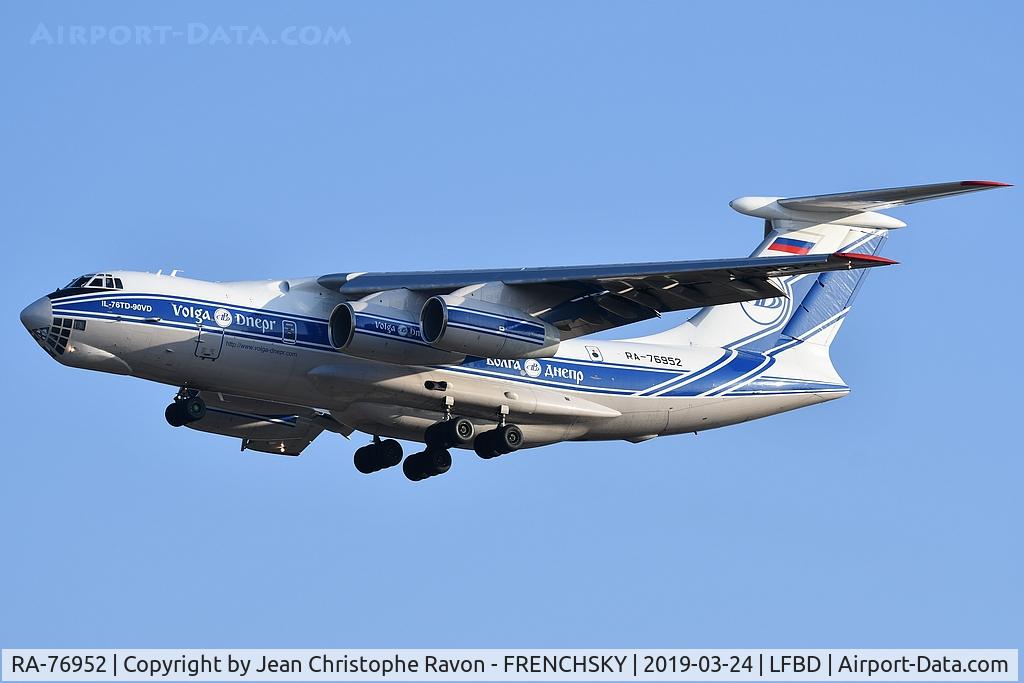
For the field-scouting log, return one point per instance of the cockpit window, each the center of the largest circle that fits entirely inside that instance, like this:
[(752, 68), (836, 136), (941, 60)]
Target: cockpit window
[(78, 282), (96, 281)]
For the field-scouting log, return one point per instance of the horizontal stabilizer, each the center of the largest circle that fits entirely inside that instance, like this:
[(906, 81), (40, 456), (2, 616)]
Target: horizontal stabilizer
[(887, 198)]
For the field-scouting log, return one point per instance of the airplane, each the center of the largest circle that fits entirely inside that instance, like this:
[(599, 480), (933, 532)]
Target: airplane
[(492, 360)]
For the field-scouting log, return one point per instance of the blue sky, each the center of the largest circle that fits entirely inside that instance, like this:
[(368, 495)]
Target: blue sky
[(510, 134)]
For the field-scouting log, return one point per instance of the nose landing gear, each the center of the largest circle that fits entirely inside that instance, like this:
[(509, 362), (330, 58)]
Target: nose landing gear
[(378, 455), (185, 409)]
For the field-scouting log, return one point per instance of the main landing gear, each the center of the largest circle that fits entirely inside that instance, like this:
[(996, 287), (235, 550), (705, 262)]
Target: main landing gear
[(186, 408), (504, 439), (450, 432), (428, 463), (435, 459), (378, 455)]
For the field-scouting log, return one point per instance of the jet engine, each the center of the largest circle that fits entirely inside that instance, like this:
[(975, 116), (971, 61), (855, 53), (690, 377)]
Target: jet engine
[(479, 328), (383, 333)]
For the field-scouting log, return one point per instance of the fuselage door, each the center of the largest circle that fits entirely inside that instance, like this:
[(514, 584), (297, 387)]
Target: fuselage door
[(288, 331), (209, 341)]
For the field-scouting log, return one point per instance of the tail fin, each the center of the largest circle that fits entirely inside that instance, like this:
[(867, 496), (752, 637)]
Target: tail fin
[(815, 305)]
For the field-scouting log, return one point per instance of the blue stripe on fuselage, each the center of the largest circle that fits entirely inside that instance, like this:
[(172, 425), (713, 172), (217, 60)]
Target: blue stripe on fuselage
[(157, 309), (568, 374)]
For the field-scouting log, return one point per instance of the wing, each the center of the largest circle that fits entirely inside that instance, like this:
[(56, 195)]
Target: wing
[(580, 300), (876, 200), (263, 425)]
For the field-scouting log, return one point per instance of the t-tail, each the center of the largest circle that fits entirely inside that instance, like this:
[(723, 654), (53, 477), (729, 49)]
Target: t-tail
[(798, 329)]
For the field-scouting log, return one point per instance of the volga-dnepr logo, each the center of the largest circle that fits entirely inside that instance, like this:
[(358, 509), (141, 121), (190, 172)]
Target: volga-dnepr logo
[(222, 317), (766, 312), (532, 367)]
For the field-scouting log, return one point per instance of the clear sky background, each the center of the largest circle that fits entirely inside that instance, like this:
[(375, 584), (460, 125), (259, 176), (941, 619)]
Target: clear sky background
[(510, 134)]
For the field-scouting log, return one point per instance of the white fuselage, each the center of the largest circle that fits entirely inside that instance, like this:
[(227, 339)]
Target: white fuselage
[(269, 341)]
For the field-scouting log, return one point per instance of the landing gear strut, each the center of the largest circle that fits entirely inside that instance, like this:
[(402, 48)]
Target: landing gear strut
[(185, 409), (378, 455)]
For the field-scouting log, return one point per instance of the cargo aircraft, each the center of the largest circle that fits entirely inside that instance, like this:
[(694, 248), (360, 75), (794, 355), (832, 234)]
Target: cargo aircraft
[(492, 360)]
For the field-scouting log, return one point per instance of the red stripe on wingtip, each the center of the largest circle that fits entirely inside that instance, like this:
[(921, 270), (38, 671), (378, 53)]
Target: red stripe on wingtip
[(983, 183), (871, 258)]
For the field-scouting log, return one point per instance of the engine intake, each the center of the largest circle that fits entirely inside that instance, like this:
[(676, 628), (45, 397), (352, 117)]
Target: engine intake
[(383, 333), (478, 328)]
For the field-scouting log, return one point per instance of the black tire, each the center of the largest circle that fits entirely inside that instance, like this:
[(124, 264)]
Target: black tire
[(457, 431), (366, 460), (484, 446), (377, 456), (390, 453), (413, 468), (173, 415), (193, 409), (507, 439), (437, 462), (436, 435), (460, 432)]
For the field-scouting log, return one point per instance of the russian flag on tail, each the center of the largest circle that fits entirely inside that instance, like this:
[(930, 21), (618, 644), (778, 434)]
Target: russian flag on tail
[(790, 245)]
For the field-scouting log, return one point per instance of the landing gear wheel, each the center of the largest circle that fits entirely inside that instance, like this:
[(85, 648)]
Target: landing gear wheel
[(185, 410), (484, 446), (460, 431), (377, 456), (411, 468), (390, 453), (365, 459), (437, 462), (173, 415), (508, 438), (500, 441), (452, 433), (194, 408), (428, 463)]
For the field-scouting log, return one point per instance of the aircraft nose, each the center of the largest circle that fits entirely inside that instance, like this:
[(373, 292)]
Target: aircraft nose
[(37, 314)]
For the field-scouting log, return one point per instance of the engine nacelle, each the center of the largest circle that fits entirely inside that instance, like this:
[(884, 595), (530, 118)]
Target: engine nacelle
[(478, 328), (383, 333)]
